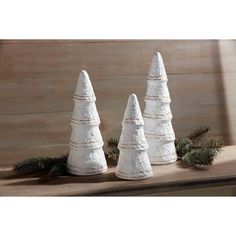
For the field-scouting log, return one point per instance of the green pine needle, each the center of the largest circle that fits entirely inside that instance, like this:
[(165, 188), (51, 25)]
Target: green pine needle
[(198, 134), (212, 144), (39, 164), (182, 146), (198, 157), (113, 152), (112, 143), (33, 165), (196, 149), (59, 169)]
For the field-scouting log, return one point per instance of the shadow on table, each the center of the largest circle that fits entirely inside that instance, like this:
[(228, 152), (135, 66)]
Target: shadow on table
[(35, 180)]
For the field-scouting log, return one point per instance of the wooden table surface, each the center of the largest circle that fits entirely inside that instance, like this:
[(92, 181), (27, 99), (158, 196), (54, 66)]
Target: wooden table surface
[(167, 180)]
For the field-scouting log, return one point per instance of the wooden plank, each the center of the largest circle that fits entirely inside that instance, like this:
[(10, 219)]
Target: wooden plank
[(65, 59), (26, 96), (55, 95), (47, 128), (12, 155), (194, 117), (39, 41), (223, 189), (34, 130), (168, 176), (212, 186), (54, 128)]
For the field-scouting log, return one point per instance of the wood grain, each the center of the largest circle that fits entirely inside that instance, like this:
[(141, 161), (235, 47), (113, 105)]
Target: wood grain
[(54, 128), (55, 95), (65, 59), (9, 156)]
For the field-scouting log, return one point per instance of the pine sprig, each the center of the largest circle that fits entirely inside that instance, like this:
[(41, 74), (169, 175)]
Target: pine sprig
[(198, 158), (197, 135), (211, 143), (49, 166), (182, 146), (197, 149), (59, 169), (33, 165), (112, 143), (113, 152)]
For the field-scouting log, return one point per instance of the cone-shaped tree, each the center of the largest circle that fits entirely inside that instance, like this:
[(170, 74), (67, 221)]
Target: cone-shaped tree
[(157, 115), (133, 161), (86, 154)]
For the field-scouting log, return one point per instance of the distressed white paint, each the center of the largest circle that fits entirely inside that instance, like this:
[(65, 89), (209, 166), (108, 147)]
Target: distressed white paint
[(133, 161), (157, 115), (86, 154)]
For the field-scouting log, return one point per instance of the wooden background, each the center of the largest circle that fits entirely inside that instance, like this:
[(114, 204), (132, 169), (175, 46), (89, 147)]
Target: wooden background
[(38, 78)]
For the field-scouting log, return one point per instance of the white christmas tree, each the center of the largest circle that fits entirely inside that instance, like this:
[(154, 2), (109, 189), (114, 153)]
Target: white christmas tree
[(157, 115), (86, 154), (133, 163)]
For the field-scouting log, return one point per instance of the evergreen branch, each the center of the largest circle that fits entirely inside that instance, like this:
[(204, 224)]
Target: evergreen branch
[(59, 169), (113, 152), (38, 164), (182, 146), (212, 144), (198, 134), (199, 157), (112, 143), (33, 165), (112, 157), (196, 149), (177, 142)]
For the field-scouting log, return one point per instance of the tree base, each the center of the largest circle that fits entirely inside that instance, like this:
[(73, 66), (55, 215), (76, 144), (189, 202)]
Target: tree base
[(142, 176), (76, 171), (163, 160)]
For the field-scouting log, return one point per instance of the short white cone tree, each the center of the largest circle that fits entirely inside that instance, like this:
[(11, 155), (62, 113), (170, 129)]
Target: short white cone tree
[(86, 154), (133, 163), (157, 115)]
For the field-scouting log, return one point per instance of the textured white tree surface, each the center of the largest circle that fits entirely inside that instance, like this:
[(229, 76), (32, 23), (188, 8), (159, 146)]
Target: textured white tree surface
[(133, 161), (86, 154), (157, 115)]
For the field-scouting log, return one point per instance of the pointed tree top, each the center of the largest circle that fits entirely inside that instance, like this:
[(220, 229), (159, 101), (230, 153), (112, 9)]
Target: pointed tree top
[(157, 68), (133, 119), (84, 88), (132, 112)]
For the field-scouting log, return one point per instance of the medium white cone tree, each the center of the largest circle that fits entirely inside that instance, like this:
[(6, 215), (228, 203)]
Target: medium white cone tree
[(86, 154), (133, 163), (157, 115)]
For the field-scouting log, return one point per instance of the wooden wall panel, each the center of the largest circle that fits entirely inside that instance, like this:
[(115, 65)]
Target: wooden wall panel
[(55, 95), (9, 156), (53, 128), (56, 59), (38, 78)]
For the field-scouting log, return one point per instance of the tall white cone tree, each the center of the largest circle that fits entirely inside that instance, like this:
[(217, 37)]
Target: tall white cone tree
[(133, 161), (157, 115), (86, 154)]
